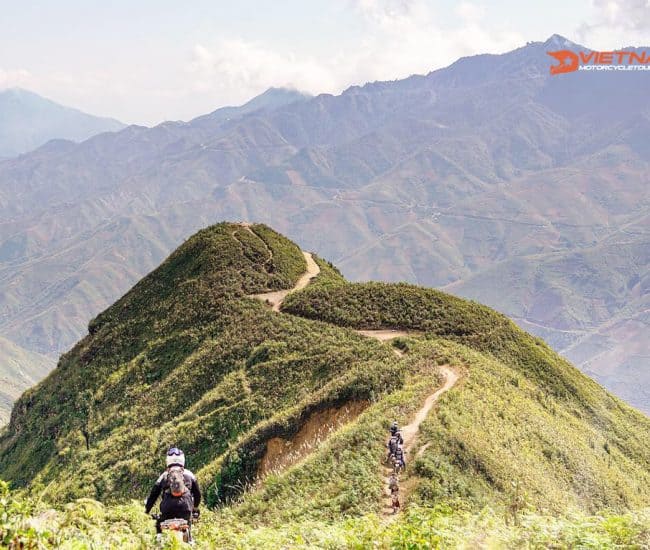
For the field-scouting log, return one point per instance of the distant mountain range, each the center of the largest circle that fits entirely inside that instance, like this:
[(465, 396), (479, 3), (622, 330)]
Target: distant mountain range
[(20, 369), (490, 178), (28, 121)]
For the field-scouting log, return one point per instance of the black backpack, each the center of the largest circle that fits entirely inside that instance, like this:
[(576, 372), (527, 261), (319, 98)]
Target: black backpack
[(176, 484)]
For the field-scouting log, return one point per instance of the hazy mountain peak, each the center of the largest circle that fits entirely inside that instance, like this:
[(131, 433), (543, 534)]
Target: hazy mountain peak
[(28, 120), (270, 99), (559, 41), (274, 95)]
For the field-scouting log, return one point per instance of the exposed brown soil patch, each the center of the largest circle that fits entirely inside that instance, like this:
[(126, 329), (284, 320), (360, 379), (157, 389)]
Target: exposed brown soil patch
[(282, 453)]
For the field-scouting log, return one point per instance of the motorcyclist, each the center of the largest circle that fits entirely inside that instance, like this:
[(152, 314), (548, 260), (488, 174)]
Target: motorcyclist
[(180, 490), (396, 432), (393, 487), (400, 458), (393, 483), (392, 445)]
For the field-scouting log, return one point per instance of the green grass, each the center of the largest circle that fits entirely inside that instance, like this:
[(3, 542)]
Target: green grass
[(87, 524), (186, 358)]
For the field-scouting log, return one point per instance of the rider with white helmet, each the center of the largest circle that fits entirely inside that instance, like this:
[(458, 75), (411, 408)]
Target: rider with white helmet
[(180, 490)]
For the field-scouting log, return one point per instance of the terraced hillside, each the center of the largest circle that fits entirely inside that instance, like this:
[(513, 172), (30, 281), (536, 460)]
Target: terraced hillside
[(190, 357)]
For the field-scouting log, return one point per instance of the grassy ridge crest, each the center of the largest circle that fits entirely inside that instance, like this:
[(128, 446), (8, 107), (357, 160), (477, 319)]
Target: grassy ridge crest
[(187, 358)]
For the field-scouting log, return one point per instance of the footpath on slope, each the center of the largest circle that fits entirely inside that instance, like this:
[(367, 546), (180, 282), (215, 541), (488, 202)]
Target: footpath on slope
[(384, 335), (276, 298), (410, 431)]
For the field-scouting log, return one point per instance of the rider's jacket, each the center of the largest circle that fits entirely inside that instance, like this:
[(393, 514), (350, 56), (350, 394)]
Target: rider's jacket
[(162, 486)]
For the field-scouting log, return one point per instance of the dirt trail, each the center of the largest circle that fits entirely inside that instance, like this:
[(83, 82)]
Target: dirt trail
[(410, 431), (248, 227), (385, 334), (277, 457), (276, 298)]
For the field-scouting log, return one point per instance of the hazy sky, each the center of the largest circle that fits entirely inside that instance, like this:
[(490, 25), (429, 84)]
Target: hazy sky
[(145, 61)]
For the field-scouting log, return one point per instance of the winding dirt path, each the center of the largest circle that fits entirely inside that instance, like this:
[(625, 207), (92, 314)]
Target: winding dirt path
[(385, 335), (410, 433), (277, 297)]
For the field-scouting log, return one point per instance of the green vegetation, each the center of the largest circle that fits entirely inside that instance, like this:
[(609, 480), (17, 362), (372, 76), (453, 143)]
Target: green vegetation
[(524, 449), (183, 359), (87, 524), (440, 315)]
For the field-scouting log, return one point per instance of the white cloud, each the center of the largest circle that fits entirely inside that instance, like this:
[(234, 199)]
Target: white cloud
[(400, 38), (237, 70), (616, 23), (14, 78), (383, 11), (392, 39), (470, 12)]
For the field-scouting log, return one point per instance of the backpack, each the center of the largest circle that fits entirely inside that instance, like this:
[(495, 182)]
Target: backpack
[(392, 445), (176, 481)]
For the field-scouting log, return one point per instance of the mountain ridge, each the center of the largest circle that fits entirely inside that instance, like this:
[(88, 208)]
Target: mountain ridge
[(187, 357), (430, 179), (30, 121)]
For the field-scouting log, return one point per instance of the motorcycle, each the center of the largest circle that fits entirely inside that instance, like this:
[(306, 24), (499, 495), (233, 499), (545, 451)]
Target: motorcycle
[(179, 528), (394, 501)]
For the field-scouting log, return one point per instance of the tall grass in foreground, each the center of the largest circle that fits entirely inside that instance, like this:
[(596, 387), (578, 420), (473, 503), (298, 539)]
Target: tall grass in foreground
[(87, 524)]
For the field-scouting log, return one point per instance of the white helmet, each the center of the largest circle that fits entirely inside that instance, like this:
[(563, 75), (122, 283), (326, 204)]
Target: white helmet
[(175, 457)]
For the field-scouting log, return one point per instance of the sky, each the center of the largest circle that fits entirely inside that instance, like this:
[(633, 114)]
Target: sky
[(146, 61)]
